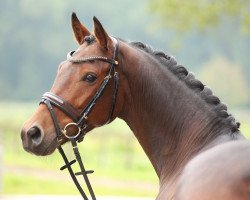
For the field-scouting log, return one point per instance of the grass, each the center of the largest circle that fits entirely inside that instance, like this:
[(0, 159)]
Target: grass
[(121, 167), (18, 184), (116, 161)]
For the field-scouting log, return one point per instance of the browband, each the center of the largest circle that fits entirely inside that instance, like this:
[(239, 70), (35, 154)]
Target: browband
[(79, 118), (91, 58)]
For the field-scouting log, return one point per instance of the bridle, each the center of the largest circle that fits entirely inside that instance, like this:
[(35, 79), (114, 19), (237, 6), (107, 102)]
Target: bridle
[(80, 118)]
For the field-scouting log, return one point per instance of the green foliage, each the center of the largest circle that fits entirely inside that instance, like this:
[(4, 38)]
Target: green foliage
[(245, 129), (186, 15), (35, 37), (218, 74)]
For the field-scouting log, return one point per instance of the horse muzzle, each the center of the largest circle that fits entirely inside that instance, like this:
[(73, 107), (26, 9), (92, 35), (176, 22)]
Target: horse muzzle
[(33, 141), (32, 138)]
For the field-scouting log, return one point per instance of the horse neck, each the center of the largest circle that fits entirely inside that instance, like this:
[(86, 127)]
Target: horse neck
[(171, 123)]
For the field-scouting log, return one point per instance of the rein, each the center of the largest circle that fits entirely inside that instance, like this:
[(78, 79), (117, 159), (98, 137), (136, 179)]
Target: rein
[(80, 118)]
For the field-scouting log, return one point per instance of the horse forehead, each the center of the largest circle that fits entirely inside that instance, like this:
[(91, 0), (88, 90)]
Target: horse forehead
[(66, 73), (87, 50)]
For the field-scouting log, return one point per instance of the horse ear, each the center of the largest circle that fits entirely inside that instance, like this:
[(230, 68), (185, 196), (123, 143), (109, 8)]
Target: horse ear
[(101, 35), (80, 31)]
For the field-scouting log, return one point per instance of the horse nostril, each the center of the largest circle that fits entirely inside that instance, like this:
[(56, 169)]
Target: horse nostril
[(35, 135)]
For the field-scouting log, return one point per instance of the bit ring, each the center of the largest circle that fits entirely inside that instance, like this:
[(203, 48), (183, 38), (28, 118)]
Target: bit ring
[(64, 131)]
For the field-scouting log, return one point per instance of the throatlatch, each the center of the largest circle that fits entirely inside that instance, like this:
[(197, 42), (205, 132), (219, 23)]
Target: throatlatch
[(80, 118)]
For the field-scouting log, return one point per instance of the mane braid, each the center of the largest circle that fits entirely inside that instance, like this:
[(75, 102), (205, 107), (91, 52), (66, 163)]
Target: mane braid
[(197, 86)]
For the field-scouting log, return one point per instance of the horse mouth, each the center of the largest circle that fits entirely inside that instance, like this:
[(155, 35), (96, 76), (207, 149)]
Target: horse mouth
[(50, 148), (44, 151)]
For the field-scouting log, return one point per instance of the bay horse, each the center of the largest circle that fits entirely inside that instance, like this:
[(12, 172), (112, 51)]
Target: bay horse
[(183, 128)]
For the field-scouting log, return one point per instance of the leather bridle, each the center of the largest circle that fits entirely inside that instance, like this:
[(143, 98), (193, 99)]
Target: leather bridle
[(79, 119)]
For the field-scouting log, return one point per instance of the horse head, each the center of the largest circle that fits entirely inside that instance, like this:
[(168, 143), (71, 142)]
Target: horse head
[(83, 95)]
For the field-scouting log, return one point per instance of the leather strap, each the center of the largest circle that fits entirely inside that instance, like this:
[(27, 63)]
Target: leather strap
[(80, 118), (54, 119), (63, 105), (91, 58), (72, 174), (116, 83), (73, 113)]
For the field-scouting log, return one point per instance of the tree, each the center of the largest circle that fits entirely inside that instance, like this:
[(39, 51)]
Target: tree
[(186, 15)]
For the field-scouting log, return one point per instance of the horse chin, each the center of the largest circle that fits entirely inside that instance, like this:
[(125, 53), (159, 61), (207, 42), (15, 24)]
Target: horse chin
[(51, 147)]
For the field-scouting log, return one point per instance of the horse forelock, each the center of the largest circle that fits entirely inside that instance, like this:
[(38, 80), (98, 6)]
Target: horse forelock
[(89, 39), (194, 84)]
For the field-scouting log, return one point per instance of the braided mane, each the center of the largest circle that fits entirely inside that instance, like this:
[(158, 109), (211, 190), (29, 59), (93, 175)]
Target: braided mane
[(189, 79)]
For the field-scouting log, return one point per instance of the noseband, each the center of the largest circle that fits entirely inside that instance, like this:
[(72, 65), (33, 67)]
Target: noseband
[(79, 119)]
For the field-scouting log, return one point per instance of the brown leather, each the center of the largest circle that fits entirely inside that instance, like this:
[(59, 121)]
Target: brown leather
[(63, 105)]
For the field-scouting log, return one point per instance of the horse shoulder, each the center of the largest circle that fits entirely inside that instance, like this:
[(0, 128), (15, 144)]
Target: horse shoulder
[(222, 172)]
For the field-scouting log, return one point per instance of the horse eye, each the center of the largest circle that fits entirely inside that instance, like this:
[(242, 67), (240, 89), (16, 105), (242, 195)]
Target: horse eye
[(89, 78)]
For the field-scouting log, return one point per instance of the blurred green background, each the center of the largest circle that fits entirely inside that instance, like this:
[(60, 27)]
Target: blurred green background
[(210, 38)]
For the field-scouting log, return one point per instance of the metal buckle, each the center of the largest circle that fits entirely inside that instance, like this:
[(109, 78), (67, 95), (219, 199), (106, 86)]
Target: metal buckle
[(64, 131), (108, 77)]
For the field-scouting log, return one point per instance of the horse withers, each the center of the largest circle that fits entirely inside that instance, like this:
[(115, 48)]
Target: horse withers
[(177, 120)]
